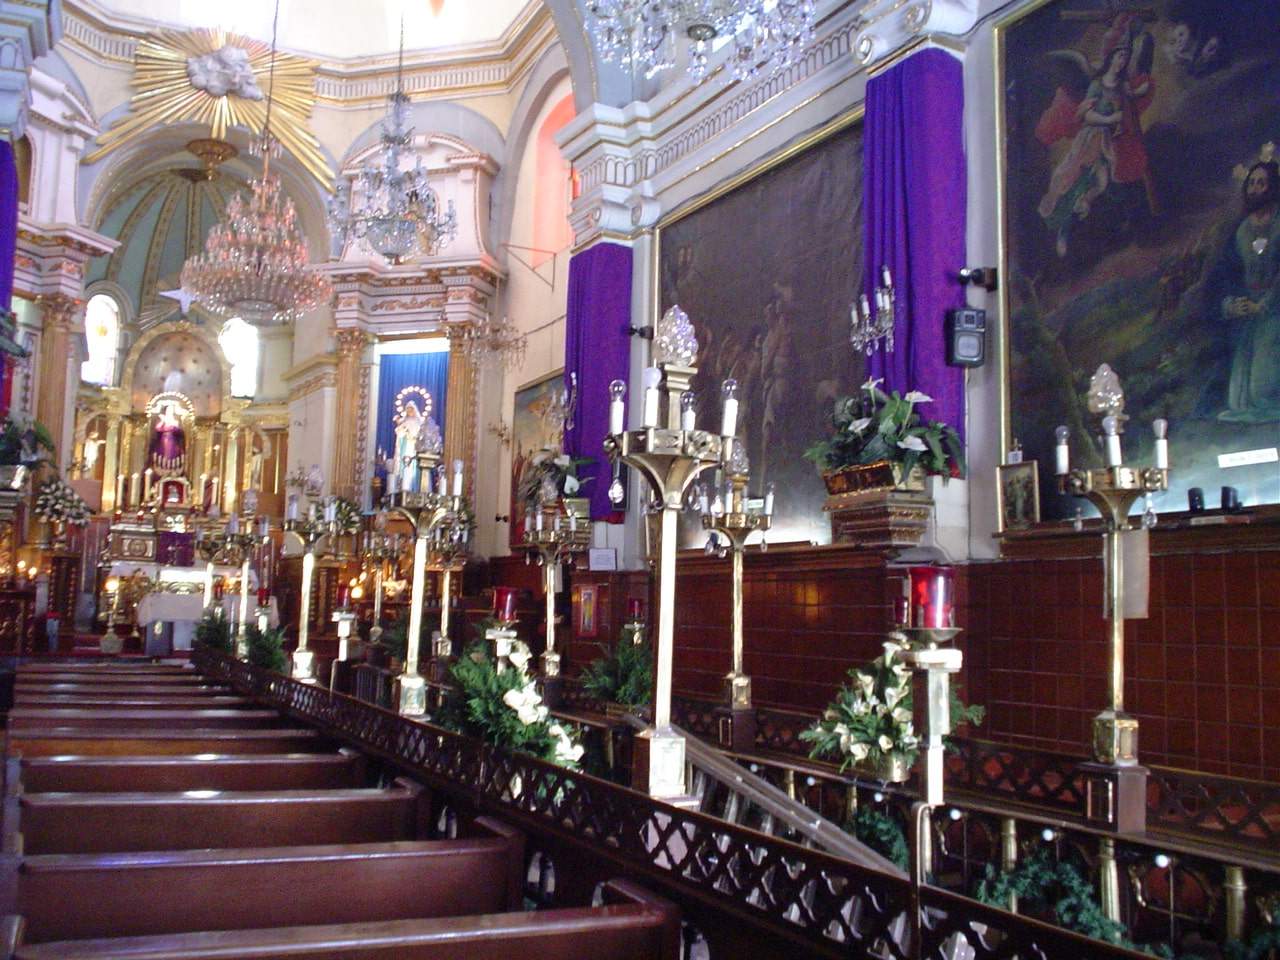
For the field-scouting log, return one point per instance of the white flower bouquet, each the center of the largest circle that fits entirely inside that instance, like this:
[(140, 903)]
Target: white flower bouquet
[(56, 502)]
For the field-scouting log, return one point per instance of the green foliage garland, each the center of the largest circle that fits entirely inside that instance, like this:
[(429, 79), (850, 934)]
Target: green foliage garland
[(624, 675), (214, 631), (882, 833)]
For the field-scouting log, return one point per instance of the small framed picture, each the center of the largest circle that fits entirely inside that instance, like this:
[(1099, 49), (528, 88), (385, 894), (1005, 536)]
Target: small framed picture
[(584, 609), (1018, 494)]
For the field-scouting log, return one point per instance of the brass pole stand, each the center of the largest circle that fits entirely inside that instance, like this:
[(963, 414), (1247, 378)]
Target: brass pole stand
[(555, 546), (928, 655), (208, 547), (737, 730), (447, 558), (238, 548), (310, 532), (1117, 784), (379, 549), (669, 458)]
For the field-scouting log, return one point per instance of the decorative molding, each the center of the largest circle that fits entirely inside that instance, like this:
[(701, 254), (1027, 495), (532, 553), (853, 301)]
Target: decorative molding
[(313, 374), (410, 298), (27, 31), (51, 258)]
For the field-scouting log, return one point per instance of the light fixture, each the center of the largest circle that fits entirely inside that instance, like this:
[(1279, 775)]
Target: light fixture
[(392, 208), (766, 35), (255, 263), (493, 339), (871, 329)]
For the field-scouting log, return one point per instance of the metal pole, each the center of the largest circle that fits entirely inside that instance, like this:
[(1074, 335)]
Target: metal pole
[(737, 550), (446, 587), (549, 579), (303, 661), (415, 605), (666, 618), (242, 635), (208, 585)]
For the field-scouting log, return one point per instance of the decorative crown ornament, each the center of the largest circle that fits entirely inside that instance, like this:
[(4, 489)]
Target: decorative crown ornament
[(675, 341)]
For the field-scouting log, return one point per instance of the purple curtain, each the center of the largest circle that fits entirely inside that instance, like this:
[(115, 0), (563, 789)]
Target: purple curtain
[(598, 349), (8, 221), (914, 208)]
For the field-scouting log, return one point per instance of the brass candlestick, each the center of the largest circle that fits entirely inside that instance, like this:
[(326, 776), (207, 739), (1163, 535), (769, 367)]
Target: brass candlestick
[(310, 532), (736, 522), (668, 458), (379, 549), (555, 544), (238, 548)]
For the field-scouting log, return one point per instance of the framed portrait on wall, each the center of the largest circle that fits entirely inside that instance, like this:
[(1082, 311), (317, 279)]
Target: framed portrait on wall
[(1141, 228), (1018, 495), (584, 611), (531, 431), (768, 271)]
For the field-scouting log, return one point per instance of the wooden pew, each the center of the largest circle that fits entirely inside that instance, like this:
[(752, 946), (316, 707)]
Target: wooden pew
[(641, 927), (288, 771), (157, 742), (126, 822), (130, 700), (105, 720), (84, 896), (108, 688), (154, 678)]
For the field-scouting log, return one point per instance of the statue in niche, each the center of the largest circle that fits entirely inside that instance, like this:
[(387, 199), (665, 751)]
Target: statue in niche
[(167, 449), (256, 460), (408, 427)]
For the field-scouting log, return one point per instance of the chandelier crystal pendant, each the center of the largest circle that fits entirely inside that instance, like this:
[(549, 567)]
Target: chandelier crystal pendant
[(392, 208), (493, 339), (255, 263), (765, 35)]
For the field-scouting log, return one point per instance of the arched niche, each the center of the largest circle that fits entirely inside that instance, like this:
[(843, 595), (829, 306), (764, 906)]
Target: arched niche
[(177, 357)]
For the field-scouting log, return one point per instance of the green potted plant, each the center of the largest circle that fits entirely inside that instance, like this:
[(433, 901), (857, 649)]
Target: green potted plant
[(266, 647), (880, 441), (214, 631), (623, 677)]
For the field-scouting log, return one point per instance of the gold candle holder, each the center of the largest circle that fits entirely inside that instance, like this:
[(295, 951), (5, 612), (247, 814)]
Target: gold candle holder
[(310, 532), (555, 545)]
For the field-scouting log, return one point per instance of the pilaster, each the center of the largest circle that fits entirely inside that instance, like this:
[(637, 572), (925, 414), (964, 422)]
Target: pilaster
[(351, 407), (61, 318), (460, 412)]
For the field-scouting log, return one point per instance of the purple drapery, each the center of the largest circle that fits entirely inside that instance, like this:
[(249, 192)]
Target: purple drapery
[(8, 221), (598, 349), (914, 205)]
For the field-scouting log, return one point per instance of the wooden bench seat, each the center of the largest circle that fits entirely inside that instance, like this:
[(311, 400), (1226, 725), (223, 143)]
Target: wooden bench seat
[(108, 688), (191, 820), (160, 742), (132, 701), (106, 719), (76, 897), (641, 928), (152, 678), (286, 771)]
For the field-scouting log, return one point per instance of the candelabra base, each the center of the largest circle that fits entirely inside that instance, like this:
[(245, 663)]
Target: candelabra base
[(552, 690), (304, 666), (658, 766), (413, 695), (441, 647), (737, 690), (1115, 797), (551, 665), (736, 728), (375, 634), (111, 643), (501, 638), (242, 646), (1115, 738)]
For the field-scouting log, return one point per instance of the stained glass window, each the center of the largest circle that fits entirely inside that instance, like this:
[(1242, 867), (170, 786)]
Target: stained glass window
[(102, 331), (239, 342)]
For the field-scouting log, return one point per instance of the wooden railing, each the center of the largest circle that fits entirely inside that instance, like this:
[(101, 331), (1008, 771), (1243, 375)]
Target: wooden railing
[(743, 892)]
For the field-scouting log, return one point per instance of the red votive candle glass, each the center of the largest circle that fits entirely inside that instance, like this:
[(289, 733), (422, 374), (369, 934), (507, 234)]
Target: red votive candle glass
[(504, 604), (263, 597), (635, 609), (343, 595), (217, 589), (933, 596)]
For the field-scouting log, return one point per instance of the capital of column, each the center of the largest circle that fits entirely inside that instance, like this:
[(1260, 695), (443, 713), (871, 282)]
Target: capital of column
[(351, 343), (59, 311), (890, 25)]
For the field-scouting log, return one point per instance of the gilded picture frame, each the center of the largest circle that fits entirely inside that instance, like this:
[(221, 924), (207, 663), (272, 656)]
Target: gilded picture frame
[(529, 434), (1018, 495)]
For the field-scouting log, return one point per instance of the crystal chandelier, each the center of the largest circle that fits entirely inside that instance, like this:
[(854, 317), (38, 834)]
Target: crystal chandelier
[(492, 339), (397, 212), (871, 329), (764, 34), (255, 263)]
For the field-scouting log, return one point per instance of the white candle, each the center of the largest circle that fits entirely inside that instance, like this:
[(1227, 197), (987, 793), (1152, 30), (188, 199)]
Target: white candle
[(555, 525), (134, 489), (704, 501), (119, 490), (1161, 428), (537, 521), (410, 477), (617, 407), (688, 415), (652, 377), (264, 528), (1062, 453), (457, 478), (146, 484), (291, 507), (1110, 428), (885, 277), (331, 510), (768, 500), (442, 483), (233, 524), (573, 523), (729, 421)]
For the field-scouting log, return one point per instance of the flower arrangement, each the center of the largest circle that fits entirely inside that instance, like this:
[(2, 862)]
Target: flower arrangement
[(501, 706), (348, 516), (550, 475), (56, 502), (870, 721), (875, 426)]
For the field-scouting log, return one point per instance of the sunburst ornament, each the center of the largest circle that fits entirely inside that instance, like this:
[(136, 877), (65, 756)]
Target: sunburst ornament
[(222, 79)]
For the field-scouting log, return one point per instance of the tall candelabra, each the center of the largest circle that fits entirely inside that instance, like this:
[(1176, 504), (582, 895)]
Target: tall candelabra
[(378, 550), (1113, 489), (435, 514), (728, 512), (208, 545), (555, 543), (310, 532), (239, 539), (669, 458)]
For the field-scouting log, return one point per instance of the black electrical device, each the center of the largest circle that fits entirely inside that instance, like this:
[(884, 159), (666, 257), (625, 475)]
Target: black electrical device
[(966, 337)]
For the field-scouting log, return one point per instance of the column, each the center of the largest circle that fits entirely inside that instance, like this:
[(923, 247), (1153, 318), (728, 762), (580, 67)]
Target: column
[(59, 314), (346, 454), (110, 464), (460, 412)]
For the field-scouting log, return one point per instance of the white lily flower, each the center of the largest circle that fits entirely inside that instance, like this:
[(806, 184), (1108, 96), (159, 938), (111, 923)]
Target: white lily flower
[(858, 426), (562, 460), (571, 485), (859, 751), (915, 396), (513, 699), (913, 443), (901, 714), (866, 682), (518, 659), (886, 742), (872, 383), (891, 649)]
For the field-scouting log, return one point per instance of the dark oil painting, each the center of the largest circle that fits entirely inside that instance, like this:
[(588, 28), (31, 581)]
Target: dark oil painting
[(1143, 230), (768, 274)]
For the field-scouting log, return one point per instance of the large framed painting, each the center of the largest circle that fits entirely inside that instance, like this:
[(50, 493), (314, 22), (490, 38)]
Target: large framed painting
[(531, 431), (1142, 229), (768, 273)]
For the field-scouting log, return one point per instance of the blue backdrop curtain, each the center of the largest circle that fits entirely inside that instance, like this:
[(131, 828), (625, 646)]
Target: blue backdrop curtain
[(597, 348), (427, 370), (914, 179)]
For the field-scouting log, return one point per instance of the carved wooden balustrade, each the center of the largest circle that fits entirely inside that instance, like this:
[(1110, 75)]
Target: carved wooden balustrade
[(745, 893)]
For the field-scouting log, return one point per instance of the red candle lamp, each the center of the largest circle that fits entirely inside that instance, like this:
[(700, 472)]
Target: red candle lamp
[(264, 597), (504, 604), (932, 597), (635, 609)]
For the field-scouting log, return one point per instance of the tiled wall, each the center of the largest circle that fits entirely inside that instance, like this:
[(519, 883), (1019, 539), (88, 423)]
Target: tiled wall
[(1203, 672)]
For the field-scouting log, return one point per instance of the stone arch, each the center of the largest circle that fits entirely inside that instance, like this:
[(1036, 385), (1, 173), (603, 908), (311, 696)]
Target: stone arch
[(472, 131), (593, 80)]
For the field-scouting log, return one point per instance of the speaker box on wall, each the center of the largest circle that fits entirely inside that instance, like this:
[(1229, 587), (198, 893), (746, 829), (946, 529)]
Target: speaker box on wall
[(966, 337)]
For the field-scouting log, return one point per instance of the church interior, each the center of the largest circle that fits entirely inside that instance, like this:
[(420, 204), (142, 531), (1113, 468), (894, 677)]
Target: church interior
[(678, 479)]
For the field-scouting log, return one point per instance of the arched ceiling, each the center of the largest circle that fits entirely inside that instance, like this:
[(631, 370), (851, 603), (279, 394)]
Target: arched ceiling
[(179, 361), (340, 29)]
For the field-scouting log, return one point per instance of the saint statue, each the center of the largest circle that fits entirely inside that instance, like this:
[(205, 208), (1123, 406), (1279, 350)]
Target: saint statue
[(256, 460), (167, 451), (408, 426)]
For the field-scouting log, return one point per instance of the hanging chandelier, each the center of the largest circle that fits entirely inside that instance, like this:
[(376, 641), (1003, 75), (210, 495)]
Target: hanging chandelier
[(495, 340), (255, 263), (765, 35), (394, 210)]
